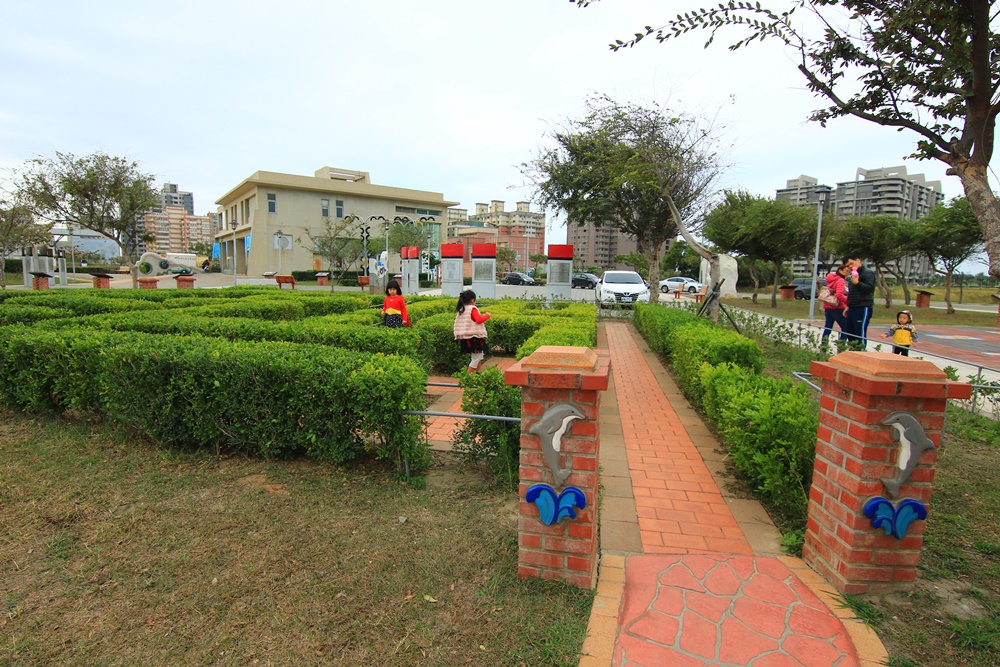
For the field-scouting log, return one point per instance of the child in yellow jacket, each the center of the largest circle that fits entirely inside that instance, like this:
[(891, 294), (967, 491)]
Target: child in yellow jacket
[(903, 333)]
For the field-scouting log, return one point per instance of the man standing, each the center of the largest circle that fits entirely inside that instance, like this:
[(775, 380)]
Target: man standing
[(860, 300)]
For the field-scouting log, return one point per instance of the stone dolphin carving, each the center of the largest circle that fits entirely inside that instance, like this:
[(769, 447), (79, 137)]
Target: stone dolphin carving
[(550, 429), (912, 443)]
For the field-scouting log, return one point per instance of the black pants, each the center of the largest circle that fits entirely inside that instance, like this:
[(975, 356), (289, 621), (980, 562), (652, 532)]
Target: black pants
[(903, 350)]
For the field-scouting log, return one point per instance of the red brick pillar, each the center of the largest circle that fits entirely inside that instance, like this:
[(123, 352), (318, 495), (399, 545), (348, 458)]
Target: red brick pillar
[(185, 282), (560, 376), (857, 447), (147, 283), (322, 281), (40, 282), (102, 282)]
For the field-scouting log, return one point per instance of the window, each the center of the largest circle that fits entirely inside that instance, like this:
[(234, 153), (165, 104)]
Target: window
[(340, 208), (324, 205), (272, 203)]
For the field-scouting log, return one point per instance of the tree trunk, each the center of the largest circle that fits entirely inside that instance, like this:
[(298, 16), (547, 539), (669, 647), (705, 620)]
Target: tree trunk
[(653, 257), (898, 274), (713, 259), (947, 289), (756, 282), (986, 207), (882, 286), (774, 288)]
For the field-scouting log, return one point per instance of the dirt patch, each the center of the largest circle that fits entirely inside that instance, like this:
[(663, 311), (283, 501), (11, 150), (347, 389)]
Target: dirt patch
[(260, 482), (950, 598)]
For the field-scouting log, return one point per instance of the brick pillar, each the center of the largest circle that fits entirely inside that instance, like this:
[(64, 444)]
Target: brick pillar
[(102, 282), (40, 282), (185, 282), (147, 283), (322, 281), (855, 451), (567, 549)]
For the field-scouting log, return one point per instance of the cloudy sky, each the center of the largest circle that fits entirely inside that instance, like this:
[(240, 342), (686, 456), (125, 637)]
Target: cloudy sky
[(442, 95)]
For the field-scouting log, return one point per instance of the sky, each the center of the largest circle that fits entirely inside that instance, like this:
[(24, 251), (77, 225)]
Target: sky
[(450, 96)]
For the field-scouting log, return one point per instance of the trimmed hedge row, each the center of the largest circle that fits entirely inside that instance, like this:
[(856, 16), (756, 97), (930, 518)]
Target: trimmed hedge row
[(271, 399), (767, 425)]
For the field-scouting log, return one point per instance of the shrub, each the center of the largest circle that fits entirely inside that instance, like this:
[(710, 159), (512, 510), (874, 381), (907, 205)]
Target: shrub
[(656, 323), (699, 343), (493, 443)]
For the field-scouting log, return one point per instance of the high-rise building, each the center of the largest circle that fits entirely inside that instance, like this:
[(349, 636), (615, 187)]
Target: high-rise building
[(169, 195), (885, 191), (521, 229), (175, 230)]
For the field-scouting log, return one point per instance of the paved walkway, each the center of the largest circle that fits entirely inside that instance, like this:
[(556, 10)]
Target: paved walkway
[(690, 573)]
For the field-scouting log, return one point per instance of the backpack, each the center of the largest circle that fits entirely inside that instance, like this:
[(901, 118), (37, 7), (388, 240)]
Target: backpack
[(826, 296)]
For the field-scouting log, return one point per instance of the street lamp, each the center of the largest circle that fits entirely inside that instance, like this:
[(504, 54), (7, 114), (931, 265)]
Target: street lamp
[(233, 224), (819, 231)]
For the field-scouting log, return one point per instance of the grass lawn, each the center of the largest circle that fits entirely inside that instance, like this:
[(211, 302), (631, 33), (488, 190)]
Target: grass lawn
[(952, 616), (799, 310), (119, 552)]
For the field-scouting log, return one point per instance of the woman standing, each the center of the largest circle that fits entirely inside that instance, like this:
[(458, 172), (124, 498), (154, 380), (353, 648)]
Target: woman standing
[(836, 282)]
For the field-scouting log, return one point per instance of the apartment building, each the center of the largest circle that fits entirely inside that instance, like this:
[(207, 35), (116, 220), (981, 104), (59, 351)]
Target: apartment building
[(884, 191), (266, 220), (521, 229), (170, 195), (175, 230)]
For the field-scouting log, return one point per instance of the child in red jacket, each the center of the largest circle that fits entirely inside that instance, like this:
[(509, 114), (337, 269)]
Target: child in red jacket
[(394, 308), (470, 331)]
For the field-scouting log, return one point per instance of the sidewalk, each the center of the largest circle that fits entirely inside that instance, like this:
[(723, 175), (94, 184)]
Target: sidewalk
[(690, 574)]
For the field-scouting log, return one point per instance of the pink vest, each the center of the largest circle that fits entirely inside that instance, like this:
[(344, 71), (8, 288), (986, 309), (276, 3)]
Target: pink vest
[(466, 327)]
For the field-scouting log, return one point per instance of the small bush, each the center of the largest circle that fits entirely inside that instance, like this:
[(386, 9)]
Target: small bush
[(495, 444)]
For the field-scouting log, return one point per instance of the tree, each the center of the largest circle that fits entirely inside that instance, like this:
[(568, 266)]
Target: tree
[(620, 165), (879, 239), (949, 236), (17, 230), (681, 260), (103, 193), (773, 231), (506, 256), (928, 67), (536, 259), (636, 260), (337, 245), (201, 248), (761, 230)]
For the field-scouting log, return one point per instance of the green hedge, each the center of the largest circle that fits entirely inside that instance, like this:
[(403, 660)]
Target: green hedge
[(700, 343), (272, 399)]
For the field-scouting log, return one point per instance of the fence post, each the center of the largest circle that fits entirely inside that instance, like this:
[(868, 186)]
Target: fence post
[(881, 418), (560, 447)]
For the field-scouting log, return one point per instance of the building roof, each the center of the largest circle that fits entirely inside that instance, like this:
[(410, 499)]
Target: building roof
[(335, 183)]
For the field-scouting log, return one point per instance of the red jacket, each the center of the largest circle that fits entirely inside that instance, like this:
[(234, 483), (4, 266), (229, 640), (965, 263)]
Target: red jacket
[(837, 285), (394, 305)]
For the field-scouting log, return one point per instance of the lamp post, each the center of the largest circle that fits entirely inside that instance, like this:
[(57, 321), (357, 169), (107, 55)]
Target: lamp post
[(819, 231), (233, 223)]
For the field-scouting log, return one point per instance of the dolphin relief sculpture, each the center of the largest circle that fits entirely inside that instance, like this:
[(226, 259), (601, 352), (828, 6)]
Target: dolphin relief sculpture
[(550, 429), (913, 442)]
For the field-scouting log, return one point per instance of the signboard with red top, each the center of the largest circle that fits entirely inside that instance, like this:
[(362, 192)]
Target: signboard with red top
[(484, 250), (560, 251), (452, 250)]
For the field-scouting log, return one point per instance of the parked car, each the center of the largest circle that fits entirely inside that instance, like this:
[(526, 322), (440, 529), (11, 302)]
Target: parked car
[(803, 287), (621, 287), (518, 278), (585, 280), (689, 285)]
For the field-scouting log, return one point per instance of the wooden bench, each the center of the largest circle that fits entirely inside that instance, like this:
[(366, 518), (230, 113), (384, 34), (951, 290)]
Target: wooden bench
[(285, 280), (700, 295)]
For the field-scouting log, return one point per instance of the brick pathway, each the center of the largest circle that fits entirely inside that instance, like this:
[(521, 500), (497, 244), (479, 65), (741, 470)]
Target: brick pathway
[(710, 602)]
